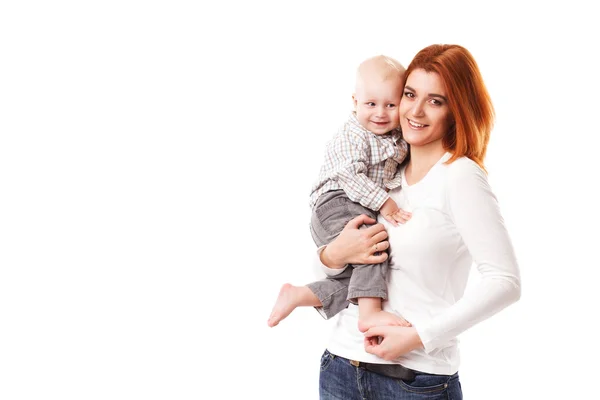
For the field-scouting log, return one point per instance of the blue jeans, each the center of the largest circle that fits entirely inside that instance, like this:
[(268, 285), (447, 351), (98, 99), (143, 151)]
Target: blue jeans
[(341, 380)]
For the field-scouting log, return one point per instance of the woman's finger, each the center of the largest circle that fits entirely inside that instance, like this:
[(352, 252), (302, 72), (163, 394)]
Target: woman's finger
[(379, 330), (380, 246), (377, 258), (357, 222), (379, 237), (373, 339), (370, 343), (374, 229), (376, 232)]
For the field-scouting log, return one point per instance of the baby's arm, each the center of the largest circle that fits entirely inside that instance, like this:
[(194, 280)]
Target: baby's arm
[(393, 214)]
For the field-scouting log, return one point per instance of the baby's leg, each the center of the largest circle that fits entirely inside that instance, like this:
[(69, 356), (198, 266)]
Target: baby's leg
[(368, 287), (332, 293)]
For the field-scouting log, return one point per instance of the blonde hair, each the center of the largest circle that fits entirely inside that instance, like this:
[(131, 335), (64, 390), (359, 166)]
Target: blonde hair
[(382, 66)]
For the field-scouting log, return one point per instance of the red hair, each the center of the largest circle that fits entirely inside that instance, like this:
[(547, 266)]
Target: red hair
[(468, 99)]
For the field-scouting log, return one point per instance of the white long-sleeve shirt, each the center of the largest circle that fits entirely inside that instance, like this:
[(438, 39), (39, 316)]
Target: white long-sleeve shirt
[(456, 222)]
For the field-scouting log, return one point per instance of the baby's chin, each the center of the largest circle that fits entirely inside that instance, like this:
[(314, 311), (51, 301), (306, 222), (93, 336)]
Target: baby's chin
[(382, 130)]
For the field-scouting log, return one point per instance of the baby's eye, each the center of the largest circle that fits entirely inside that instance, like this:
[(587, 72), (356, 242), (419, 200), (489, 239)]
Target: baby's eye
[(391, 106), (371, 104)]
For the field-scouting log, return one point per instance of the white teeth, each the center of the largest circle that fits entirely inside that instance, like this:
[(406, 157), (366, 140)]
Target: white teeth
[(413, 123)]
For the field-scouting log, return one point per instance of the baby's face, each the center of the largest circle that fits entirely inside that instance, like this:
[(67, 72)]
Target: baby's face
[(376, 104)]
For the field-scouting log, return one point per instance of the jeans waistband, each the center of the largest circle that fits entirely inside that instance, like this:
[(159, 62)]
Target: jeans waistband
[(395, 371)]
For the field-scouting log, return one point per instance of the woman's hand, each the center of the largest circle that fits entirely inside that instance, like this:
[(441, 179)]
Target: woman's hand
[(390, 342), (357, 246)]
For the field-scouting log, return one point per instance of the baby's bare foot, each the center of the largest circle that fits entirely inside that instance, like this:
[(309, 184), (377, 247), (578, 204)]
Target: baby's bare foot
[(380, 318), (287, 300)]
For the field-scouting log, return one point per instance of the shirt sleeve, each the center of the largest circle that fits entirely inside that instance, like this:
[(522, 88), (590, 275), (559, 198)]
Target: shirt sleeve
[(475, 212), (321, 270), (349, 157), (396, 181)]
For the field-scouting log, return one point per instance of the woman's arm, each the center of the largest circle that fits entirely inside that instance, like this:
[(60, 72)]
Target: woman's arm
[(476, 214)]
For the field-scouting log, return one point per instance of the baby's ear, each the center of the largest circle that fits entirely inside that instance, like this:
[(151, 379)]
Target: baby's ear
[(354, 101)]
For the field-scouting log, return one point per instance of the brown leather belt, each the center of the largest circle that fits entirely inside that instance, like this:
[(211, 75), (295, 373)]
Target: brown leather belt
[(395, 371)]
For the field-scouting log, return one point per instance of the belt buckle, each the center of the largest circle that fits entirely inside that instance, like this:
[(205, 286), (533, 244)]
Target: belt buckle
[(355, 363)]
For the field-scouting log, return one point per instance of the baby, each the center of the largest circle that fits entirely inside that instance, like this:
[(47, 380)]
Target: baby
[(361, 165)]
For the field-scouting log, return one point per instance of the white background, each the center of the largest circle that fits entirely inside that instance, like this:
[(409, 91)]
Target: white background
[(155, 165)]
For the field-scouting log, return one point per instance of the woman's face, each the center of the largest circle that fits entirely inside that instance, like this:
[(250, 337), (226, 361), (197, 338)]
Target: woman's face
[(424, 113)]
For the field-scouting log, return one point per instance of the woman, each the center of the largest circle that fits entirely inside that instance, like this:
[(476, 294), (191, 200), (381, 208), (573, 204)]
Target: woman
[(446, 117)]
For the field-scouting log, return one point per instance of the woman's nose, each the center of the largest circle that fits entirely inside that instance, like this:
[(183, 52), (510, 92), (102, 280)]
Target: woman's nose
[(418, 110)]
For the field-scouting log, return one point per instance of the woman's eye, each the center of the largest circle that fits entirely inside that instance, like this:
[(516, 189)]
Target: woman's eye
[(409, 94), (436, 102)]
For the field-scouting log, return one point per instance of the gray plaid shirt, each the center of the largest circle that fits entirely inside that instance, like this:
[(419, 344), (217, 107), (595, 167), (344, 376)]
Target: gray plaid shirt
[(362, 164)]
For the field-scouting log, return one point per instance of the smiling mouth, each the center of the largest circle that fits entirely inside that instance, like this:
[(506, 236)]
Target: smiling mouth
[(379, 123), (413, 124)]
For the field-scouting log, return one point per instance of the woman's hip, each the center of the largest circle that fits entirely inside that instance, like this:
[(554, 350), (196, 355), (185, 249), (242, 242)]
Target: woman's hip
[(341, 378)]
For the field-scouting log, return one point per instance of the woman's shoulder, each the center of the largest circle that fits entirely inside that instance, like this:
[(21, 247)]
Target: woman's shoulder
[(465, 173), (464, 166)]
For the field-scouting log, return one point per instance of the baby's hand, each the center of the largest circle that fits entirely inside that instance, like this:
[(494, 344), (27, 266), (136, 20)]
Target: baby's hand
[(401, 216), (393, 214)]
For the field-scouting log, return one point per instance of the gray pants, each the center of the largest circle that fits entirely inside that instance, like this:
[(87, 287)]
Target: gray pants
[(330, 214)]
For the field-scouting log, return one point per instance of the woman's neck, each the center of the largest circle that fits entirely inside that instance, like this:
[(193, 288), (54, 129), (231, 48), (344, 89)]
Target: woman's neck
[(422, 159)]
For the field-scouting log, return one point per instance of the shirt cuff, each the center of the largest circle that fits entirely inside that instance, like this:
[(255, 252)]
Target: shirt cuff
[(323, 268), (378, 200), (428, 338)]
